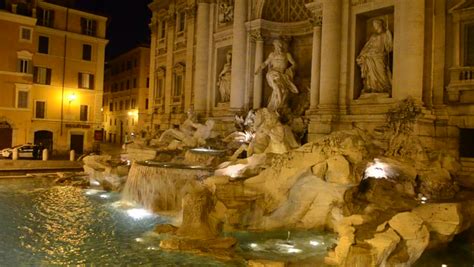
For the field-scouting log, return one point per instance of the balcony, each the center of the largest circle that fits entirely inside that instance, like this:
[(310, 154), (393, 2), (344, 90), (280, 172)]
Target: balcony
[(461, 86)]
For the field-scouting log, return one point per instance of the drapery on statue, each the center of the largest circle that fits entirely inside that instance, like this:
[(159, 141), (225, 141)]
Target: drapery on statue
[(373, 60), (224, 78), (279, 75)]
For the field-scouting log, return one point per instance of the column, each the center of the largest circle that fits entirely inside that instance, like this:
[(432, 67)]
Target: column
[(202, 57), (239, 47), (258, 78), (408, 49), (190, 16), (315, 65), (170, 35), (331, 49)]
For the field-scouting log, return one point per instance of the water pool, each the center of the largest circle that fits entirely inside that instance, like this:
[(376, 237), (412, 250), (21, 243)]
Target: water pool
[(43, 225)]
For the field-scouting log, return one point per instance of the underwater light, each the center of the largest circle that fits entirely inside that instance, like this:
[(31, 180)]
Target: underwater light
[(91, 192), (104, 196), (253, 245), (444, 265), (314, 243), (94, 182), (376, 170), (138, 214), (138, 239), (152, 248), (294, 250)]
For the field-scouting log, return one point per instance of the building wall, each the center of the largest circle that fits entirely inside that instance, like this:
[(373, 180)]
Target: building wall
[(128, 118), (62, 96)]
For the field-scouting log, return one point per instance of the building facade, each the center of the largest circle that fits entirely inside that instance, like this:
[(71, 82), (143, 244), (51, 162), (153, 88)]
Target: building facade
[(126, 95), (51, 76), (351, 61)]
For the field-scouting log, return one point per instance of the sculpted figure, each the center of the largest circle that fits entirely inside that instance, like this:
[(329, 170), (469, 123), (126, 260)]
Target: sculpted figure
[(224, 79), (373, 60), (190, 133), (281, 69), (226, 12)]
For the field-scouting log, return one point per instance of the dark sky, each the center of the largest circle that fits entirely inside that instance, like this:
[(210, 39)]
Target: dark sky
[(127, 25)]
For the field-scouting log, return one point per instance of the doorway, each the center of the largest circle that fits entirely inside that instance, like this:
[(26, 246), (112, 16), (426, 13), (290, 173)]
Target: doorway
[(77, 143), (45, 138), (466, 143), (6, 135)]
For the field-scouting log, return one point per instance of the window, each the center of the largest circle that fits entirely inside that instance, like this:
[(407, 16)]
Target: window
[(159, 88), (178, 86), (128, 84), (127, 104), (133, 103), (111, 106), (88, 26), (134, 82), (146, 103), (147, 82), (40, 108), (45, 17), (110, 122), (22, 99), (181, 21), (135, 63), (86, 80), (43, 45), (121, 105), (469, 45), (42, 75), (87, 52), (162, 31), (129, 65), (83, 114), (24, 65), (26, 34)]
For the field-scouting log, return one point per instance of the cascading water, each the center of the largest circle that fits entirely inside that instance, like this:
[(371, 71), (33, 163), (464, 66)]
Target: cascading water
[(159, 186)]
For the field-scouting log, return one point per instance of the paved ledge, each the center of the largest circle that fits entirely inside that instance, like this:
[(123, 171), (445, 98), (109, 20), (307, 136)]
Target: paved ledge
[(15, 167)]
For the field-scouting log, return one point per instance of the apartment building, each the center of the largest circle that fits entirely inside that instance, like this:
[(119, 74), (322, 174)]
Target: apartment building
[(51, 75), (126, 94)]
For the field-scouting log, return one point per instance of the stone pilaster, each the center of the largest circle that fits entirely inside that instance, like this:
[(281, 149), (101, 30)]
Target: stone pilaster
[(202, 57), (239, 47), (317, 21), (258, 79), (408, 49), (171, 24), (330, 62)]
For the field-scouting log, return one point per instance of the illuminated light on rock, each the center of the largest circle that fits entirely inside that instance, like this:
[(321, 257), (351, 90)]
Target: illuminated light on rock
[(138, 214), (314, 243), (253, 245), (105, 196), (91, 192), (152, 248), (233, 171), (294, 250), (424, 198), (94, 182), (138, 239), (444, 265), (376, 170)]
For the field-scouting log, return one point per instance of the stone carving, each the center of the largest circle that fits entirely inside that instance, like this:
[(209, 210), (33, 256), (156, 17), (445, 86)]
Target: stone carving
[(279, 75), (226, 11), (224, 79), (373, 60), (189, 134)]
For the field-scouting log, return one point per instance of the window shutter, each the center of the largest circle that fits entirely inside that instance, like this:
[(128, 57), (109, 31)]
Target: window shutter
[(39, 15), (29, 66), (48, 76), (18, 65), (91, 81), (79, 80), (51, 18), (94, 27), (35, 75)]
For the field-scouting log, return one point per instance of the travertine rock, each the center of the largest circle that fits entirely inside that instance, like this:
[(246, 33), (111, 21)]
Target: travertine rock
[(383, 244), (339, 171), (265, 263)]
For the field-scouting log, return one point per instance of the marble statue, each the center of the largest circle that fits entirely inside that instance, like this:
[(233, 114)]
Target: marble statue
[(373, 60), (226, 12), (279, 76), (189, 134), (224, 79)]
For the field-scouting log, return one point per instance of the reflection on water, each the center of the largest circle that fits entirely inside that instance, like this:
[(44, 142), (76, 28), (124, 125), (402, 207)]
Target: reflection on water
[(44, 225)]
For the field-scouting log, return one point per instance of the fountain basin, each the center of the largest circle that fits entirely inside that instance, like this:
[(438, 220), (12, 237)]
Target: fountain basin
[(160, 186)]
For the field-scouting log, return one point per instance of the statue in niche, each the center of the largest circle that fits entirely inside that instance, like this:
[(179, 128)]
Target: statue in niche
[(224, 79), (279, 76), (373, 60), (226, 12)]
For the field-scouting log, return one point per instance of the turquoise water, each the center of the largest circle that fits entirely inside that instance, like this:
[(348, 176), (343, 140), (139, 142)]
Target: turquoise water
[(46, 225)]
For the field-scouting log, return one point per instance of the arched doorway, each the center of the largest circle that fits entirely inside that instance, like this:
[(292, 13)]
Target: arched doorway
[(6, 135), (45, 138)]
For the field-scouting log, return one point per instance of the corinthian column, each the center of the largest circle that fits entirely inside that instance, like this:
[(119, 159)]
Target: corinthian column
[(202, 56), (317, 21), (331, 49), (239, 47), (258, 79)]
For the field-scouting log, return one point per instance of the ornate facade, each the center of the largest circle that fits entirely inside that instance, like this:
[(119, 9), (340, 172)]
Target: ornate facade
[(420, 49)]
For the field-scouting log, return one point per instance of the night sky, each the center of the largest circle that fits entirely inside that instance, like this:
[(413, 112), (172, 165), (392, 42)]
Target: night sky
[(127, 25)]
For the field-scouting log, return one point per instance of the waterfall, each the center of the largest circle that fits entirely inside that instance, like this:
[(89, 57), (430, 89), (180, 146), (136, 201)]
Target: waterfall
[(158, 188)]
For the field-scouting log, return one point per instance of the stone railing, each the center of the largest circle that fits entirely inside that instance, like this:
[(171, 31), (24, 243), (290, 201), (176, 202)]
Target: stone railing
[(462, 79)]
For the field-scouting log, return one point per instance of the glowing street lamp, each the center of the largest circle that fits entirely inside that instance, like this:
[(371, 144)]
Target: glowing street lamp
[(72, 97)]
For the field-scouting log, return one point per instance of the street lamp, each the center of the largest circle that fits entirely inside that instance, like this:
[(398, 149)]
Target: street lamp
[(72, 97)]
